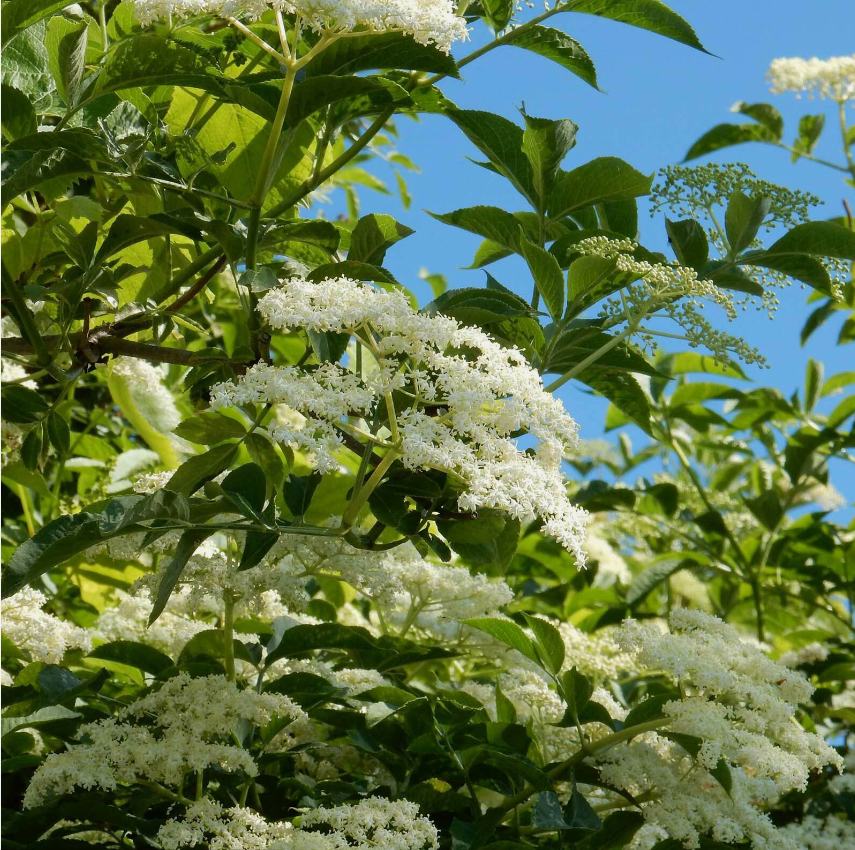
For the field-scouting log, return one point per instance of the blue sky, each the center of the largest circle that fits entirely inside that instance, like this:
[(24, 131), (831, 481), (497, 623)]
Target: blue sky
[(659, 97)]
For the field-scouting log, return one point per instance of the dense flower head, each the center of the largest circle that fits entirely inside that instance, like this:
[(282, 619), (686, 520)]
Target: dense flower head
[(470, 397), (185, 725), (832, 78), (36, 632), (740, 706), (427, 21)]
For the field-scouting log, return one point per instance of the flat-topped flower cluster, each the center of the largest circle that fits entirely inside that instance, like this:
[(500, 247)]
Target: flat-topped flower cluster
[(466, 399), (427, 21), (832, 78)]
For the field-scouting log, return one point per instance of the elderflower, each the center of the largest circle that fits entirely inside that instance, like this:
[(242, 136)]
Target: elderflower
[(427, 21), (186, 725), (42, 636), (372, 822), (470, 395), (740, 706), (829, 833), (832, 78), (208, 823)]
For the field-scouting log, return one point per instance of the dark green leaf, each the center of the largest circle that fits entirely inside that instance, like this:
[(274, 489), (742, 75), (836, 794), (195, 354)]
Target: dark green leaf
[(727, 135), (188, 543), (17, 113), (22, 405), (501, 142), (298, 492), (548, 642), (208, 428), (57, 432), (548, 277), (508, 633), (372, 236), (689, 241), (193, 473), (743, 218), (557, 46), (491, 222), (649, 15), (138, 655), (603, 179), (820, 238), (246, 487)]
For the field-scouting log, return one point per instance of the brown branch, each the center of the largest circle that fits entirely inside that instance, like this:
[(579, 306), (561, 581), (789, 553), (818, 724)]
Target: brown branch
[(197, 287)]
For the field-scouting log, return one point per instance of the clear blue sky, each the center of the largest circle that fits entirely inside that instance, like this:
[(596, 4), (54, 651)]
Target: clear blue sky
[(659, 97)]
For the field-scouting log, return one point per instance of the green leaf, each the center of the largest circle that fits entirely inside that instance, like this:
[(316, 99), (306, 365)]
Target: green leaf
[(727, 135), (492, 223), (66, 43), (188, 543), (604, 179), (576, 690), (151, 60), (814, 375), (545, 144), (262, 451), (547, 812), (246, 487), (810, 129), (689, 241), (618, 830), (21, 404), (256, 546), (298, 492), (58, 433), (557, 46), (17, 15), (767, 508), (623, 391), (42, 167), (507, 632), (354, 270), (127, 230), (762, 113), (31, 448), (139, 655), (742, 220), (474, 306), (505, 710), (820, 238), (384, 51), (372, 236), (548, 642), (16, 113), (498, 13), (58, 541), (693, 362), (649, 15), (209, 428), (40, 718), (649, 709), (721, 773), (802, 267), (548, 277), (501, 141), (300, 639), (652, 577), (579, 814), (836, 383), (195, 471)]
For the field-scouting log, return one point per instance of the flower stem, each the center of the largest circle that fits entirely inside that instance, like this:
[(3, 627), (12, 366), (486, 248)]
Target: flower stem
[(360, 498), (228, 636)]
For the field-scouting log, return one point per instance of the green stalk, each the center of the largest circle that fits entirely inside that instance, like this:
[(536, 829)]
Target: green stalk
[(228, 636), (360, 498)]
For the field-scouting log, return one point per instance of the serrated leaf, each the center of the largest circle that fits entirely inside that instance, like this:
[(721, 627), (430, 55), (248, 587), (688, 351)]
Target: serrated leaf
[(742, 220), (548, 642), (557, 46), (603, 179), (139, 655), (372, 236), (492, 223), (195, 471), (545, 144), (548, 277), (506, 632), (727, 135)]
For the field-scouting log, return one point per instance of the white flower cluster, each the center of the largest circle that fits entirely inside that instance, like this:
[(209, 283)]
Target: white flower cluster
[(832, 78), (40, 635), (470, 397), (672, 290), (428, 21), (435, 597), (829, 833), (371, 823), (740, 705), (596, 655), (806, 655), (189, 726), (207, 823)]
